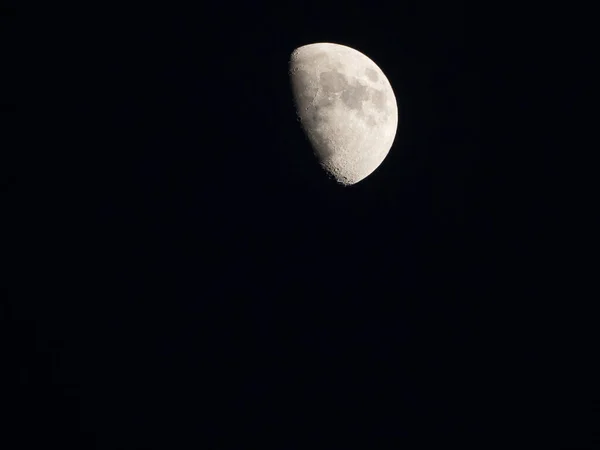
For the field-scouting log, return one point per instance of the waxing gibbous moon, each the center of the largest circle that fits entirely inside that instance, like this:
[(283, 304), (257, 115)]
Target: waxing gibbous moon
[(346, 107)]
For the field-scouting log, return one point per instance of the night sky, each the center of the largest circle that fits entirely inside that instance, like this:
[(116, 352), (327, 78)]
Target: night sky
[(196, 281)]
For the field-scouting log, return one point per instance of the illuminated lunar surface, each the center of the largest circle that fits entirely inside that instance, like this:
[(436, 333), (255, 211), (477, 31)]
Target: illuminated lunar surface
[(347, 109)]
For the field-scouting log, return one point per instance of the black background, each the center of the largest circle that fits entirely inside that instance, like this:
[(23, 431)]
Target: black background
[(195, 281)]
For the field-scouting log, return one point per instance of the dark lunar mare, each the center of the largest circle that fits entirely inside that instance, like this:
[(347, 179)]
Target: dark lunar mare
[(332, 83)]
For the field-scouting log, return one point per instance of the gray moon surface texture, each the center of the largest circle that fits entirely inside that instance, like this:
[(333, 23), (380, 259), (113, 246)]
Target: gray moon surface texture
[(346, 107)]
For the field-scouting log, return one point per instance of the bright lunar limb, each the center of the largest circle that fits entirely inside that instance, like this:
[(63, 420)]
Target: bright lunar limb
[(346, 106)]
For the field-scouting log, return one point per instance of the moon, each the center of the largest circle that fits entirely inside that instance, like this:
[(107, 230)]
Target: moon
[(346, 107)]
